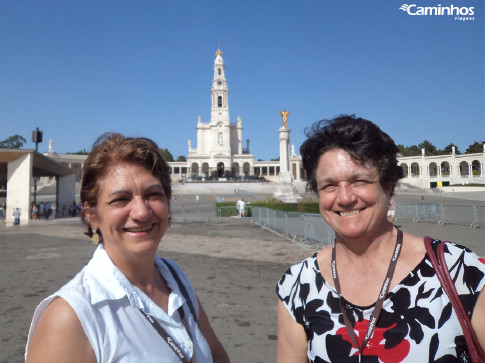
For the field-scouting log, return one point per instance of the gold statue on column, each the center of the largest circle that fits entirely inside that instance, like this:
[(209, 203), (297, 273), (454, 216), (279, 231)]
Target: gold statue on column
[(284, 115)]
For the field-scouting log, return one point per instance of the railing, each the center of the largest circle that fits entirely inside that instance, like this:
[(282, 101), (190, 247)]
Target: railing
[(232, 211), (304, 227), (458, 214), (192, 212), (311, 228), (479, 216), (468, 215), (418, 212)]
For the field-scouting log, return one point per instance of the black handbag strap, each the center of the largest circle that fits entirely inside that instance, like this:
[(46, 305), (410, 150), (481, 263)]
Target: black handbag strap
[(441, 269)]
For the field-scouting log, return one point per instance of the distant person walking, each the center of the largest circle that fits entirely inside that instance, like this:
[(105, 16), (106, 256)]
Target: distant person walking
[(40, 213), (47, 210), (241, 207), (2, 214), (34, 210), (16, 216)]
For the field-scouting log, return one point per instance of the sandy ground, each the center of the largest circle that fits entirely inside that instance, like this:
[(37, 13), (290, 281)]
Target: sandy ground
[(233, 265)]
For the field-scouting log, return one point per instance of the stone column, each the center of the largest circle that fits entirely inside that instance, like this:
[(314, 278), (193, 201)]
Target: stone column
[(65, 192), (284, 187), (19, 186), (284, 150)]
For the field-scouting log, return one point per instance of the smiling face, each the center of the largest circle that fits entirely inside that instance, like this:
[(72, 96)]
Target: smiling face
[(131, 211), (352, 201)]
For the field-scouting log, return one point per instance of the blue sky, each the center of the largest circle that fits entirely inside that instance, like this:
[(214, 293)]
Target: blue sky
[(76, 69)]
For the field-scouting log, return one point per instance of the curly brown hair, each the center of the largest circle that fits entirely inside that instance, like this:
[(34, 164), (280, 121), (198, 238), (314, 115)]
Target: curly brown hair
[(363, 140)]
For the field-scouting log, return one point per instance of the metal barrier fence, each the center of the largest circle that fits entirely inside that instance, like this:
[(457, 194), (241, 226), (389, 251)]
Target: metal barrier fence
[(467, 215), (195, 212), (312, 228), (231, 211), (418, 212), (458, 214), (304, 227), (308, 227), (480, 216)]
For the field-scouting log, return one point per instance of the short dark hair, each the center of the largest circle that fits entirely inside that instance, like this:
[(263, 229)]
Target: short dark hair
[(113, 148), (363, 140)]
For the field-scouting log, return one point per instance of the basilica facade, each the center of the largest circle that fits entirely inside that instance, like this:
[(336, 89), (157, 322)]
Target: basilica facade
[(219, 152)]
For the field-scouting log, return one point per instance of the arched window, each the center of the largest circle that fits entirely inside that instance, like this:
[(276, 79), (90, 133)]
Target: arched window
[(235, 169), (445, 168), (414, 169), (219, 71), (219, 101), (220, 169), (195, 170), (219, 139), (205, 170), (476, 168)]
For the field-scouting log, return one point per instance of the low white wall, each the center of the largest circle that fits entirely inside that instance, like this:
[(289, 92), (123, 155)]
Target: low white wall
[(454, 189)]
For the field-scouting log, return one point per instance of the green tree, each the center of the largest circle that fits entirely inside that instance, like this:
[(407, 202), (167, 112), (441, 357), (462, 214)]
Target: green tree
[(476, 147), (181, 158), (449, 149), (428, 147), (167, 156), (409, 150), (13, 142), (80, 152)]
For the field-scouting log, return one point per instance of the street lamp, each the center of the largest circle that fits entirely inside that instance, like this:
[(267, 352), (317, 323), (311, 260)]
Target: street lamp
[(37, 138)]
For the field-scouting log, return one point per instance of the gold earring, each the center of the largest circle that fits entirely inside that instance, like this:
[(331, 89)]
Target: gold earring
[(95, 237)]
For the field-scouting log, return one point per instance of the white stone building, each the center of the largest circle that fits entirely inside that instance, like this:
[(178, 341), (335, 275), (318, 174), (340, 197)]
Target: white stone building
[(219, 151), (443, 170)]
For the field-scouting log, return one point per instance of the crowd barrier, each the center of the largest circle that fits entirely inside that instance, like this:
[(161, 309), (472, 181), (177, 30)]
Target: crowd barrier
[(303, 227), (312, 228), (467, 215)]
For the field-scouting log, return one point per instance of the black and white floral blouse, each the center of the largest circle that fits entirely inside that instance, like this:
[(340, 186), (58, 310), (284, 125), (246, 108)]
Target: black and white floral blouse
[(416, 324)]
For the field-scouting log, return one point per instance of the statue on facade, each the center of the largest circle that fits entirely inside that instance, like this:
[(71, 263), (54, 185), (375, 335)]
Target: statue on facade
[(284, 115)]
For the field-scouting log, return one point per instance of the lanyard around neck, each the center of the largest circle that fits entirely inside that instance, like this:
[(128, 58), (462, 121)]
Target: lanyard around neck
[(380, 299), (166, 337)]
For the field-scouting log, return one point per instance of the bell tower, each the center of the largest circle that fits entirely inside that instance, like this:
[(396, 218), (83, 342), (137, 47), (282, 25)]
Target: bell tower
[(219, 92)]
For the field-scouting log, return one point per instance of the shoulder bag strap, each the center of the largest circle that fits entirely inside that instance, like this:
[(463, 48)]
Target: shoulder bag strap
[(183, 290), (474, 349)]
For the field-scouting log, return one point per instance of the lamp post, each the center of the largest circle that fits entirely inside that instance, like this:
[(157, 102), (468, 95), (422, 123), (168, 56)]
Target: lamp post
[(37, 138)]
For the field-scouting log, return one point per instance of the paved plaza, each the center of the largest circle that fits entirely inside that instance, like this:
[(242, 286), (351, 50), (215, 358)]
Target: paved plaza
[(233, 265)]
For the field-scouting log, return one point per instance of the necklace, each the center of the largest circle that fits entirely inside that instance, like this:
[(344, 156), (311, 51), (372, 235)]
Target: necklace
[(380, 299)]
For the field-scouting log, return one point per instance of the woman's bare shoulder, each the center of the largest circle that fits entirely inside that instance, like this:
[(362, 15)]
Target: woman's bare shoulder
[(59, 336)]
